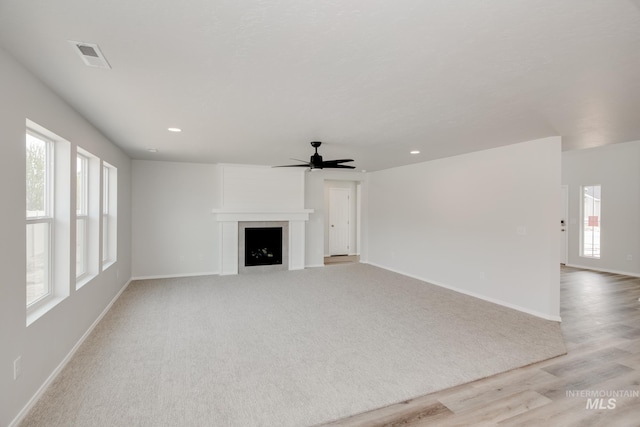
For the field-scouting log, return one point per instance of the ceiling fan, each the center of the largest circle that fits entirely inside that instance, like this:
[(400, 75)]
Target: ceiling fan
[(316, 162)]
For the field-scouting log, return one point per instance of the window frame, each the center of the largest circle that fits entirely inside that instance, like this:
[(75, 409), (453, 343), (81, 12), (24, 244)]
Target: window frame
[(105, 214), (584, 225), (82, 212), (48, 216), (109, 215), (61, 213)]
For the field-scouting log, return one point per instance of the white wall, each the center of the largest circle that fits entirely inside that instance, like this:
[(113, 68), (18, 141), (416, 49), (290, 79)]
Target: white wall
[(250, 187), (174, 231), (617, 168), (44, 344), (455, 222)]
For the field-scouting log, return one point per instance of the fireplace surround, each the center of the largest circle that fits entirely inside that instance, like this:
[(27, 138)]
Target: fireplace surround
[(260, 194), (229, 221), (267, 251)]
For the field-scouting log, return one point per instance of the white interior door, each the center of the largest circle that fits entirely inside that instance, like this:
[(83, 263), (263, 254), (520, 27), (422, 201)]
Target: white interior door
[(564, 203), (339, 221)]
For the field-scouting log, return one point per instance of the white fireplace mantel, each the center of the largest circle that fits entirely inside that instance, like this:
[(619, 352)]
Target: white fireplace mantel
[(223, 215), (260, 194), (228, 220)]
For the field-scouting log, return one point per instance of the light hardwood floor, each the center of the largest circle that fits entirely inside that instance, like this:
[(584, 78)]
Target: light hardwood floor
[(601, 325), (341, 259)]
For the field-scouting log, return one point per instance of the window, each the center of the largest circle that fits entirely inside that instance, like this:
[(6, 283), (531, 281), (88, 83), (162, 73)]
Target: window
[(591, 221), (39, 215), (105, 214), (88, 215), (109, 214), (82, 214), (48, 215)]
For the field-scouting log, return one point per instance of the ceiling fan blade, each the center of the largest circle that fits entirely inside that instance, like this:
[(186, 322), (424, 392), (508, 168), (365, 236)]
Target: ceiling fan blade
[(335, 162), (332, 166), (305, 165), (316, 162)]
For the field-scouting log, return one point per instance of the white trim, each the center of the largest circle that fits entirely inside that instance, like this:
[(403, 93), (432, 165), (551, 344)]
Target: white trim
[(39, 308), (582, 216), (111, 217), (348, 254), (34, 308), (237, 215), (176, 276), (358, 217), (107, 264), (314, 265), (34, 399), (564, 191), (84, 279), (604, 270), (544, 316), (80, 279)]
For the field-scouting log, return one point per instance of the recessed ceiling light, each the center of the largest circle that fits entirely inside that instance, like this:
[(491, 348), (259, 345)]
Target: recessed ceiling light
[(174, 129), (152, 150), (415, 152)]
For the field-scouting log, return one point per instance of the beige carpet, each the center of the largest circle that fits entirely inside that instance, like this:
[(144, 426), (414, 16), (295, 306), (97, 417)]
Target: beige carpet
[(290, 348)]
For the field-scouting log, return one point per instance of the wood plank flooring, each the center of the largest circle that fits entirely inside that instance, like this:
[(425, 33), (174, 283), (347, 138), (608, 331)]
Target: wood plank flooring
[(601, 326), (341, 259)]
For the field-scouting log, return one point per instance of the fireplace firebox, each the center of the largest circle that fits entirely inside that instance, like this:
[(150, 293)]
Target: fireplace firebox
[(263, 246)]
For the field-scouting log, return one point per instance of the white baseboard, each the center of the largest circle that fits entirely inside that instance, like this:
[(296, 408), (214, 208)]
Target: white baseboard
[(349, 254), (544, 316), (25, 410), (313, 265), (603, 270), (175, 276)]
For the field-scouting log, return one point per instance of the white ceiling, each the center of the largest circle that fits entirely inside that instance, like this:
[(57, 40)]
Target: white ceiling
[(254, 81)]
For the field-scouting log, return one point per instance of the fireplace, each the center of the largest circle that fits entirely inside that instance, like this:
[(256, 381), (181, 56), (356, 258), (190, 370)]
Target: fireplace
[(263, 246)]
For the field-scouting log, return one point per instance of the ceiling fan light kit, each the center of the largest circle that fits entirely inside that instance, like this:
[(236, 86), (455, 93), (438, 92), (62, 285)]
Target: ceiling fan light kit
[(316, 162)]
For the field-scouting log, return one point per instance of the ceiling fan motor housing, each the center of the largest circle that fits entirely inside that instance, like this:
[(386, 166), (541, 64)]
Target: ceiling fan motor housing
[(315, 162)]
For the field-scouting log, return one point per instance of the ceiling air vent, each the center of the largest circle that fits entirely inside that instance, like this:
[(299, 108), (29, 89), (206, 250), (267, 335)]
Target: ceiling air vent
[(90, 54)]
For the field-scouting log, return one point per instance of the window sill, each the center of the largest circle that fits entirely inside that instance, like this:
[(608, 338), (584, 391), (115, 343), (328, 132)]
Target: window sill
[(107, 264), (42, 309), (83, 280)]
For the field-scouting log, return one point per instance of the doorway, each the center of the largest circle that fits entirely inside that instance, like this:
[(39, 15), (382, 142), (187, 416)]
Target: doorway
[(339, 227), (341, 221)]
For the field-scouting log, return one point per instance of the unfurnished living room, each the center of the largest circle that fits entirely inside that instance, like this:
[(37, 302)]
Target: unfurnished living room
[(320, 213)]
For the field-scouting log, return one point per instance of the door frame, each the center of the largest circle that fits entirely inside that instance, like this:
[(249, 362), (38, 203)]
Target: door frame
[(564, 199), (356, 217), (349, 222)]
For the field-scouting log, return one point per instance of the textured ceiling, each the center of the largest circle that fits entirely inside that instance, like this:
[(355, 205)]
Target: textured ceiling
[(254, 81)]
